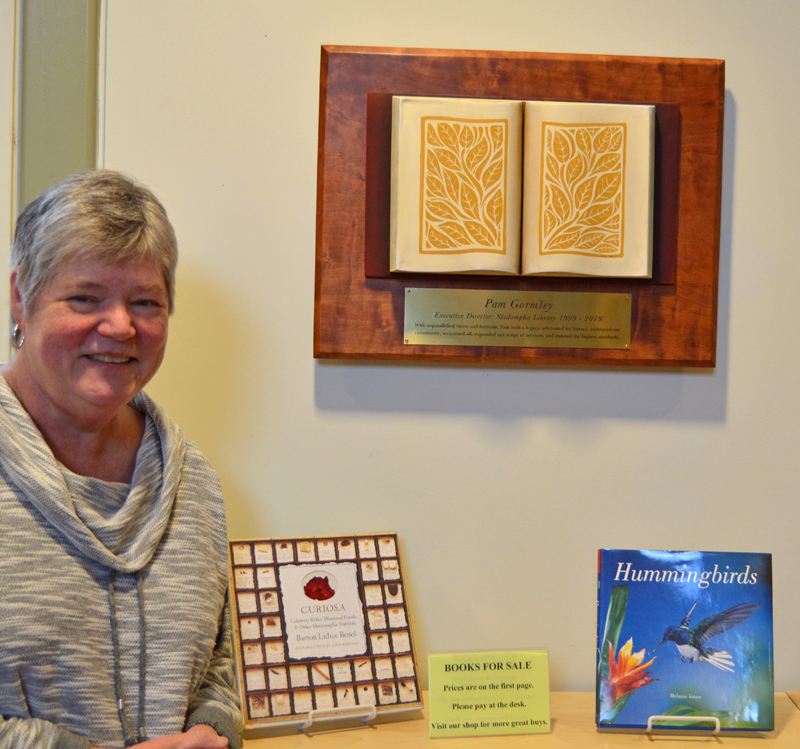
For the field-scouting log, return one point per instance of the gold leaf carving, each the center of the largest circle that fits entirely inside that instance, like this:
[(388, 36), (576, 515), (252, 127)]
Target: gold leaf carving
[(583, 193), (607, 186), (451, 183), (430, 135), (561, 147), (455, 230), (494, 209), (583, 188), (476, 155), (469, 200), (432, 166), (492, 174), (499, 137), (447, 159), (481, 233), (589, 239), (434, 186), (439, 239), (552, 166), (448, 136), (584, 140), (575, 169), (442, 210), (463, 185), (559, 203), (602, 141), (549, 221), (597, 214), (607, 249), (607, 162), (565, 240)]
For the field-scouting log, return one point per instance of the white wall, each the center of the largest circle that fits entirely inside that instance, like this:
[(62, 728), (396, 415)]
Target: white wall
[(502, 481)]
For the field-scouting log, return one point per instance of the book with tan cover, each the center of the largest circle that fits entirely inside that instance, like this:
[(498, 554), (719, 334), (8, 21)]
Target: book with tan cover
[(321, 625), (460, 203)]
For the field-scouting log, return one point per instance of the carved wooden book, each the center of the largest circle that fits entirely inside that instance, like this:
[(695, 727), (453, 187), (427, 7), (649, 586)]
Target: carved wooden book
[(492, 186)]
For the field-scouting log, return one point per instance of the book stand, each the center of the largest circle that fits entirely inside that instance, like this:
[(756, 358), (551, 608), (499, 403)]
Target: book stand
[(358, 317), (335, 714), (684, 719)]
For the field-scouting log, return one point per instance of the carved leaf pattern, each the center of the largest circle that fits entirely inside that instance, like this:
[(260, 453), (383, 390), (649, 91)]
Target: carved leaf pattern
[(463, 185), (441, 210), (583, 190), (494, 208), (597, 214), (438, 239)]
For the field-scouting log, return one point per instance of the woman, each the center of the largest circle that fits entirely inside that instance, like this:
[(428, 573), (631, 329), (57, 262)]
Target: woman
[(113, 554)]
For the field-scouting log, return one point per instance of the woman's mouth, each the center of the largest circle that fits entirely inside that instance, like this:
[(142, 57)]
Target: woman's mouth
[(105, 359)]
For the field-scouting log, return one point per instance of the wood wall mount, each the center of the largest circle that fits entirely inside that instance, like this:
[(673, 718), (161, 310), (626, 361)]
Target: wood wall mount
[(356, 317)]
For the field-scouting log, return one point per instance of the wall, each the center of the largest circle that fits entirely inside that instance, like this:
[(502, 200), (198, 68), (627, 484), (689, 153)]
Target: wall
[(501, 481)]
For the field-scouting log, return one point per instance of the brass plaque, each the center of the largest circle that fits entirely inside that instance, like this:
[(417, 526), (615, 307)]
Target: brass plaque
[(547, 319)]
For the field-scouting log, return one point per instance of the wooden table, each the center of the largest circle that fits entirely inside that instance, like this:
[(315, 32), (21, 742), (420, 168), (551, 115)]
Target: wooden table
[(572, 715)]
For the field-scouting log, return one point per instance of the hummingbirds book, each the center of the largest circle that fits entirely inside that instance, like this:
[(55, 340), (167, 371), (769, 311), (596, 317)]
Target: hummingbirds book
[(684, 635)]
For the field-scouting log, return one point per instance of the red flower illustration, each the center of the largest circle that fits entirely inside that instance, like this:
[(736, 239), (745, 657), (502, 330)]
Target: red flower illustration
[(318, 589)]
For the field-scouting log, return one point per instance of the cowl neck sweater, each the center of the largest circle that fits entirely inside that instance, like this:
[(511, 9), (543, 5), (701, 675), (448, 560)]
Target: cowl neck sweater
[(122, 538), (115, 625)]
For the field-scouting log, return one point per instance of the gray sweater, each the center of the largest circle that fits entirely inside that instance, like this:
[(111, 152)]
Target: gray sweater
[(113, 616)]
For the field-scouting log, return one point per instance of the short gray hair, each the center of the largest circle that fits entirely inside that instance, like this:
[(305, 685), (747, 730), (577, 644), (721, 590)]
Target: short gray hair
[(97, 214)]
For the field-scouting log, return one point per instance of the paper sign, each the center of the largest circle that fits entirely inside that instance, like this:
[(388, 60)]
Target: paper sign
[(487, 694)]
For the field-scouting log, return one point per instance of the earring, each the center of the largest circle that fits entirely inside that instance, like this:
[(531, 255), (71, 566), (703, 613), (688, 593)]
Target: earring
[(17, 337)]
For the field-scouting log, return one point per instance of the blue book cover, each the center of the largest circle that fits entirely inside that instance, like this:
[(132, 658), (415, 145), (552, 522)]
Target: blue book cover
[(684, 634)]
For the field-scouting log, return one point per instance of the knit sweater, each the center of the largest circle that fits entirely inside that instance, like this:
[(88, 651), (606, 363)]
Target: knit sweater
[(113, 615)]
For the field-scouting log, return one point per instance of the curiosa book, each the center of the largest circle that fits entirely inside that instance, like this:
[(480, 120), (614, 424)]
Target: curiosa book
[(684, 637)]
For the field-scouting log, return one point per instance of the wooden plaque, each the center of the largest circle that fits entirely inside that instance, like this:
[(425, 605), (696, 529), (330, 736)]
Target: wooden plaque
[(672, 324)]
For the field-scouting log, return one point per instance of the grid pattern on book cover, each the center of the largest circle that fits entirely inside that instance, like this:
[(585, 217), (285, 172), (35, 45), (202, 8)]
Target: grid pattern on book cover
[(281, 679)]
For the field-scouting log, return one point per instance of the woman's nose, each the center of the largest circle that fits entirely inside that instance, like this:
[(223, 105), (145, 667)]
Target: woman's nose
[(117, 322)]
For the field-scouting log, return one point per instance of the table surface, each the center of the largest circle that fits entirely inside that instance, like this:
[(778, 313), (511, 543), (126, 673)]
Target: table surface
[(572, 723)]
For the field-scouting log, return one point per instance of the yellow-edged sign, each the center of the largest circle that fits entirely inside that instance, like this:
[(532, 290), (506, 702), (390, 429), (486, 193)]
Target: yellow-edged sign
[(488, 694)]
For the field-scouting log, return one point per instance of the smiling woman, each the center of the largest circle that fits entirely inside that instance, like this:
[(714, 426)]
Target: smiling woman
[(93, 283), (112, 518), (94, 337)]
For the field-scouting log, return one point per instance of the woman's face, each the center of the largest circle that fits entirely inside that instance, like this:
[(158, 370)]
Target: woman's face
[(94, 338)]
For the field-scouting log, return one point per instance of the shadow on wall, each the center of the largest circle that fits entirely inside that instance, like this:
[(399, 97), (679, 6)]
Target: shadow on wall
[(515, 390)]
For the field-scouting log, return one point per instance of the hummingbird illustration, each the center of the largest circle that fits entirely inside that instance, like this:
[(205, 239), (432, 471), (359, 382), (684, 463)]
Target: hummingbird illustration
[(691, 641)]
